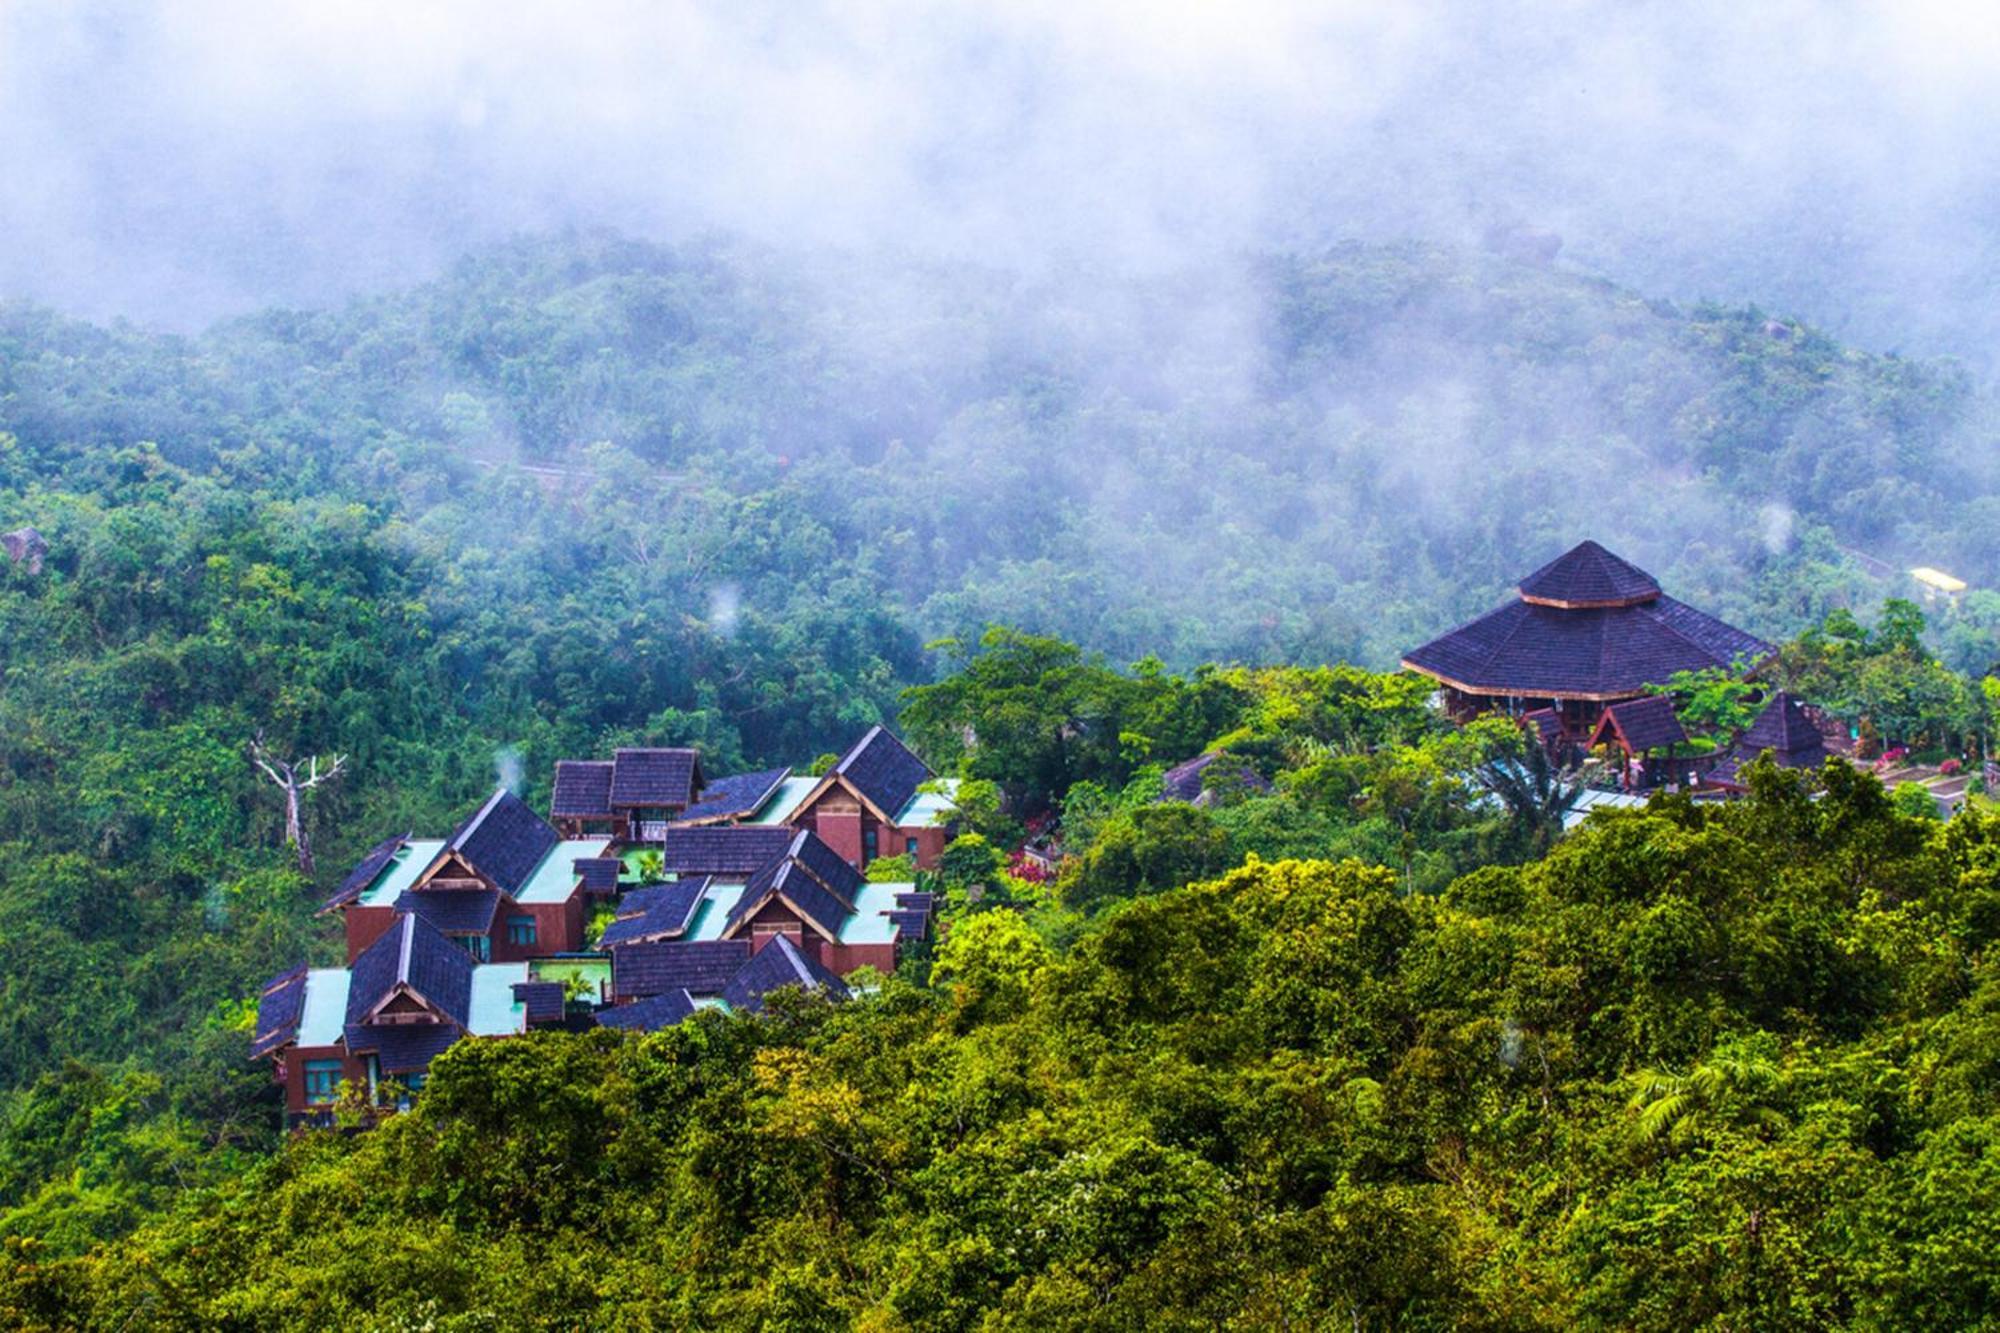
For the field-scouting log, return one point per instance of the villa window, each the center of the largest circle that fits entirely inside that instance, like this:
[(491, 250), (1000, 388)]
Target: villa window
[(478, 946), (910, 846), (521, 930), (322, 1082), (868, 846)]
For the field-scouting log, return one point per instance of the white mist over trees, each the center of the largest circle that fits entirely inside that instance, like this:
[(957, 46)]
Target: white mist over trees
[(175, 164)]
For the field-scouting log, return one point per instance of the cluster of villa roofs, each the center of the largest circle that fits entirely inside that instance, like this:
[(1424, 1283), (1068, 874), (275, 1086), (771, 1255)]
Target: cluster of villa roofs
[(758, 884), (719, 892)]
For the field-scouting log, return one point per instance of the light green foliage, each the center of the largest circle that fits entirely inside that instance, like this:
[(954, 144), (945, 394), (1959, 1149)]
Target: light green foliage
[(898, 869), (1711, 1066), (1915, 800), (1885, 680), (1714, 706)]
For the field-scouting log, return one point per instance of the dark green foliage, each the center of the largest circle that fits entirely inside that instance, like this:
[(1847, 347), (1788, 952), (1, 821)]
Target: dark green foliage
[(1667, 1077)]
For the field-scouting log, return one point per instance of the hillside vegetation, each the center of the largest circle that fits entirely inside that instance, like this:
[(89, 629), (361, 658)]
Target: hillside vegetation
[(583, 492)]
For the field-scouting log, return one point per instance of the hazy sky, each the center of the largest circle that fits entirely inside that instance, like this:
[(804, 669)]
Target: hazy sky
[(173, 163)]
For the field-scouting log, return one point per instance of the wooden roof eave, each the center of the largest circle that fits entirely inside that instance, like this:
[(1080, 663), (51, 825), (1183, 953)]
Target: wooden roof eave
[(1518, 692), (778, 895), (1601, 604), (405, 988)]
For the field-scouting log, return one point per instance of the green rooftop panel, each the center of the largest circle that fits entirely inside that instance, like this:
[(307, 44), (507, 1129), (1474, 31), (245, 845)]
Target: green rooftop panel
[(784, 803), (555, 878), (323, 1020), (493, 1011), (401, 872)]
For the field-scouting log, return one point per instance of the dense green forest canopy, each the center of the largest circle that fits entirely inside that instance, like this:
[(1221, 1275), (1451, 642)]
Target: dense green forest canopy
[(585, 491), (1727, 1067)]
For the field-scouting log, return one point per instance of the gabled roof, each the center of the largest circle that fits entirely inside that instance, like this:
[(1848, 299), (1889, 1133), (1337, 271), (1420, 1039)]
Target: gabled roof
[(1585, 648), (881, 770), (280, 1005), (811, 877), (411, 953), (736, 797), (665, 913), (1587, 575), (504, 840), (654, 777), (778, 964), (729, 851), (786, 881), (702, 967), (453, 911), (649, 1015), (583, 789), (1784, 729), (1643, 724), (363, 874)]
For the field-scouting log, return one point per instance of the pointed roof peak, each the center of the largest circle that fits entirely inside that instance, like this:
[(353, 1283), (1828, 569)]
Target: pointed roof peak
[(1785, 729), (504, 840), (1588, 575), (883, 770)]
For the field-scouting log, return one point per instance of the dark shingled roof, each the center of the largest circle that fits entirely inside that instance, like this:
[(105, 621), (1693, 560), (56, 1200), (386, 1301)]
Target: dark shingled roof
[(637, 902), (882, 769), (542, 1001), (701, 967), (811, 876), (665, 913), (1547, 724), (583, 789), (649, 1015), (1598, 652), (1588, 575), (736, 797), (452, 911), (778, 964), (1645, 724), (504, 840), (729, 851), (1784, 729), (279, 1006), (359, 878), (599, 873), (1183, 782), (653, 777), (414, 954), (402, 1048), (826, 866), (801, 890), (913, 914)]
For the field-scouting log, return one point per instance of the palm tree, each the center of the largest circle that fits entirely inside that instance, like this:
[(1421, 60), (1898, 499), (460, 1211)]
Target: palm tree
[(1537, 794), (1733, 1085)]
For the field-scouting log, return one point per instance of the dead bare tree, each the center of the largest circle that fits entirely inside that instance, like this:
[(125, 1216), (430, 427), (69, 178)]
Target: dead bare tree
[(295, 778)]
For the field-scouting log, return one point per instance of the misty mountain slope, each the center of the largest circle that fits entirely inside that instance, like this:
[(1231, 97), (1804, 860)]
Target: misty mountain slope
[(1299, 456)]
